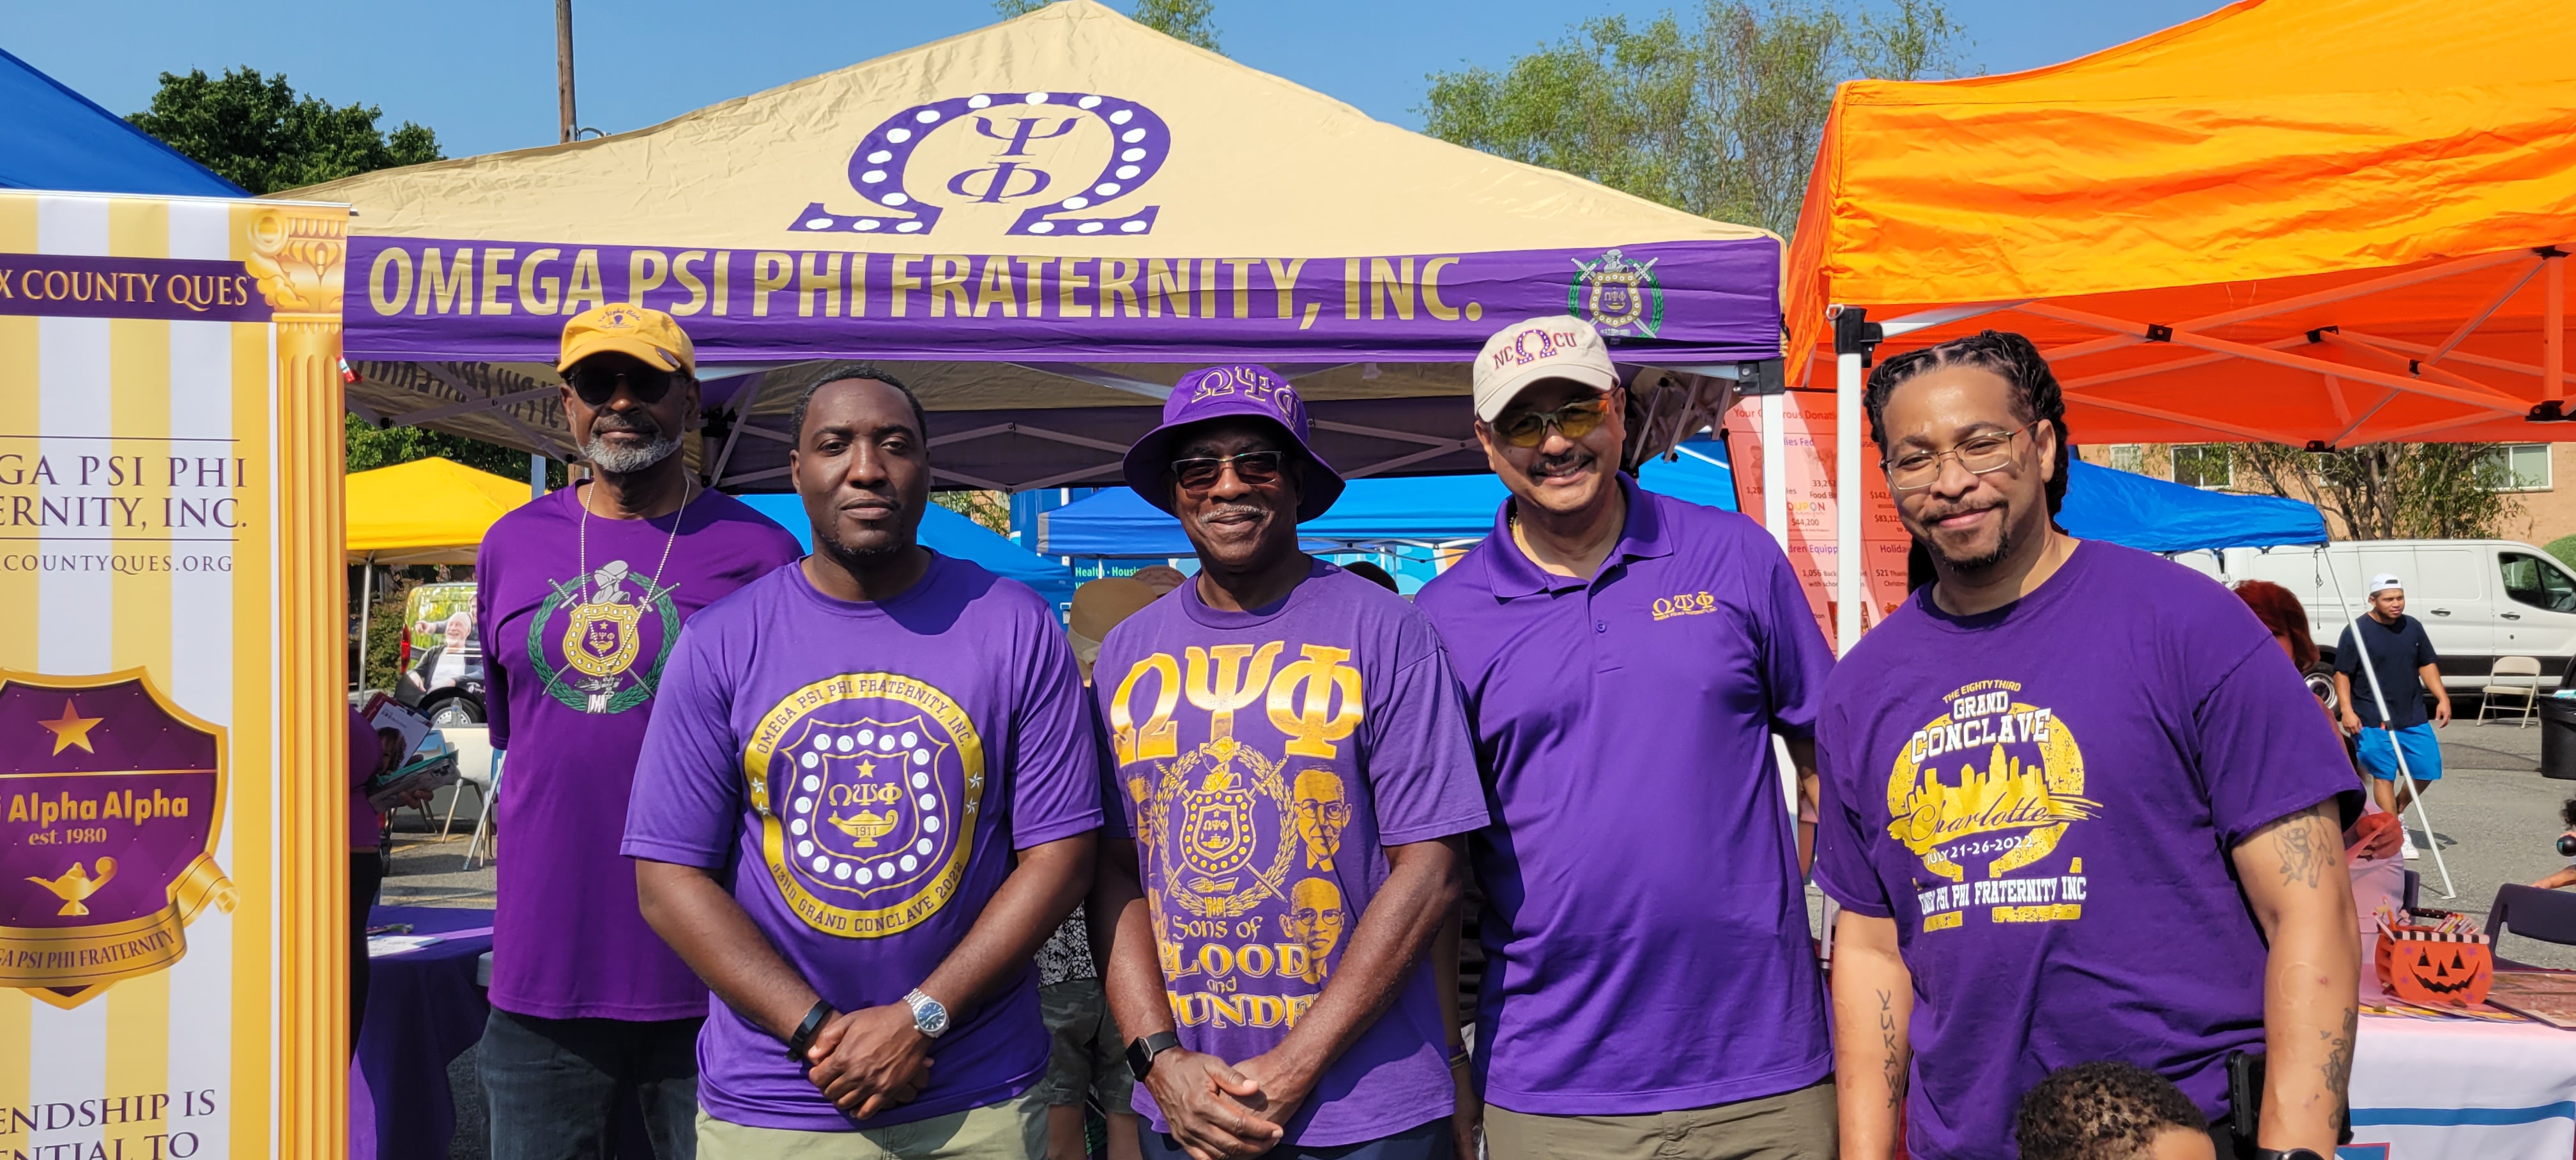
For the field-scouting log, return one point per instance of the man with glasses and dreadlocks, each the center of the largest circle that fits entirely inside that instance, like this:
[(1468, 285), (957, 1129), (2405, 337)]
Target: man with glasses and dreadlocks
[(2077, 806), (582, 594), (1294, 777), (1627, 658)]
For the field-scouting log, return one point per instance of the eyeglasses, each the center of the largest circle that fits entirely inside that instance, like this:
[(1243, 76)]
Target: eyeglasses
[(1254, 468), (1979, 454), (597, 385), (1576, 420)]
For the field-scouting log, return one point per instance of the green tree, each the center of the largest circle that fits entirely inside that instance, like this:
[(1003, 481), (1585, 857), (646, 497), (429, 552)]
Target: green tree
[(258, 133), (2391, 491), (1717, 111), (1190, 20)]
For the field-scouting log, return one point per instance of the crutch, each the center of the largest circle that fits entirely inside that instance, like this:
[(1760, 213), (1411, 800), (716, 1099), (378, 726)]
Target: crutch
[(2371, 672)]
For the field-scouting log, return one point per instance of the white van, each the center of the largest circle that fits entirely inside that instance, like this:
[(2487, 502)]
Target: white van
[(2478, 599)]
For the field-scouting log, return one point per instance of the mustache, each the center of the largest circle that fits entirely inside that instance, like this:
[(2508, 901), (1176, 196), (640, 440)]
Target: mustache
[(633, 422), (1576, 456), (1255, 511), (1934, 515)]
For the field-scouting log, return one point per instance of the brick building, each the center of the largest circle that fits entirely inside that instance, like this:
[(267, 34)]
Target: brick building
[(2544, 475)]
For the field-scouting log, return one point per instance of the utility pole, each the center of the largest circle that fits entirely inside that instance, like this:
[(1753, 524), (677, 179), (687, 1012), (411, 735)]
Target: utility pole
[(563, 67)]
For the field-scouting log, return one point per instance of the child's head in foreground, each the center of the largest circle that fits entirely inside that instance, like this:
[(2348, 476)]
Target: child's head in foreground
[(2110, 1111)]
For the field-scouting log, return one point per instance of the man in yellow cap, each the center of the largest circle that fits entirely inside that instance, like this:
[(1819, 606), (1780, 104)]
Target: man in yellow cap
[(582, 594)]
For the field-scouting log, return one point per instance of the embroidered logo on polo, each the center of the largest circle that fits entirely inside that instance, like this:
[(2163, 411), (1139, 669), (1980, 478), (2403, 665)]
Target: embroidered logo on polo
[(867, 786), (1684, 604), (1024, 163), (1239, 846), (1618, 296), (600, 636), (2014, 791)]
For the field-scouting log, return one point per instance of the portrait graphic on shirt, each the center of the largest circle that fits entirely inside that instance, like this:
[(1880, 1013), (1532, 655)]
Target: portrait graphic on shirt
[(1237, 833), (1985, 794), (589, 639), (867, 786)]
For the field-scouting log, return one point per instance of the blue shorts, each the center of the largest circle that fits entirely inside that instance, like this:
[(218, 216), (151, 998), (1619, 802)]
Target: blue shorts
[(2423, 753)]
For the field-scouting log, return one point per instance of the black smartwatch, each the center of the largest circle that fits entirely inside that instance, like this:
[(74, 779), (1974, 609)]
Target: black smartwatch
[(1140, 1054), (803, 1037)]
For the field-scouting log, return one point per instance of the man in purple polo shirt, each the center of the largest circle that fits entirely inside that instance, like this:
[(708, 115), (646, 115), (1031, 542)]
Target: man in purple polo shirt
[(868, 795), (1293, 773), (1649, 986), (582, 594)]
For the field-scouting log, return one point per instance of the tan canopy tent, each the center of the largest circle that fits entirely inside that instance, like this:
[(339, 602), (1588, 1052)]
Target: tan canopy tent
[(1038, 225)]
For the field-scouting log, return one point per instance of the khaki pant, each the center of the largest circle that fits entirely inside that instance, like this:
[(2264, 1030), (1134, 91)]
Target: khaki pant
[(1013, 1129), (1796, 1125)]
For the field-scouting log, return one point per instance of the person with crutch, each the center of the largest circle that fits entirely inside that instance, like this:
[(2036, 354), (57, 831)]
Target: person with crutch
[(2404, 664)]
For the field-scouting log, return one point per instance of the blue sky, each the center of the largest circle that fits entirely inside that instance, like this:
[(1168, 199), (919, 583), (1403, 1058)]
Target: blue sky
[(481, 72)]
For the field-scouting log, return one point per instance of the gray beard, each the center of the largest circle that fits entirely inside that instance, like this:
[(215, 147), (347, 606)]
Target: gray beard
[(617, 460)]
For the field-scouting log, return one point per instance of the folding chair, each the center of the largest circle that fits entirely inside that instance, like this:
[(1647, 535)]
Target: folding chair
[(483, 817), (2512, 677), (2529, 911)]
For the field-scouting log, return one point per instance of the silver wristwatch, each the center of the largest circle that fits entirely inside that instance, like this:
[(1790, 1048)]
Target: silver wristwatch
[(928, 1017)]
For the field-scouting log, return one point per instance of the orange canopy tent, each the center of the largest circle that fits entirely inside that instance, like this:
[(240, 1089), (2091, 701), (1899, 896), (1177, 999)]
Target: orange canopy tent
[(2317, 222)]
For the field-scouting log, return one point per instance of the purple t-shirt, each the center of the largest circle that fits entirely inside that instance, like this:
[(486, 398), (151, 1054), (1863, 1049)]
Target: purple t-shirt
[(1266, 759), (859, 775), (1645, 936), (571, 665), (2043, 797)]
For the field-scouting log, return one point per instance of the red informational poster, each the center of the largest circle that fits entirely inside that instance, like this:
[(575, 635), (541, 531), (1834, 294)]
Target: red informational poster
[(1807, 477)]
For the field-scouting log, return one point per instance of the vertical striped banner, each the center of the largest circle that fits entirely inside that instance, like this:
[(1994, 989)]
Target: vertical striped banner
[(168, 404)]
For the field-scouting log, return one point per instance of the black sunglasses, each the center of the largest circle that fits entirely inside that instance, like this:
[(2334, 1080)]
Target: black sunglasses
[(597, 385), (1254, 468)]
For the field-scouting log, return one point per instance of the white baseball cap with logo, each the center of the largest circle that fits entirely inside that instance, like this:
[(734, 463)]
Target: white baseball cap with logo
[(2384, 582), (1559, 346)]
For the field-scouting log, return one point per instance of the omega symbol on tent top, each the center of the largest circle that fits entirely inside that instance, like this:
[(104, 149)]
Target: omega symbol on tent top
[(1005, 163)]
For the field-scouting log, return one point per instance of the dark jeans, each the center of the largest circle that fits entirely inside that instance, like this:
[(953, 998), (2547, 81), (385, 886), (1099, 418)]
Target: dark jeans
[(366, 879), (1422, 1143), (552, 1086)]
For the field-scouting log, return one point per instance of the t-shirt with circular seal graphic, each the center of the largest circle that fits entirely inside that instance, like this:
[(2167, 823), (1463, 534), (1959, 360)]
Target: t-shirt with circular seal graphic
[(578, 619), (859, 774), (2043, 797), (1265, 760)]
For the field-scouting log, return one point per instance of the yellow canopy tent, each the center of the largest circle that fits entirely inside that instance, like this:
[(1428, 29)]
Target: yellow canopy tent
[(1039, 226), (428, 511), (2319, 222)]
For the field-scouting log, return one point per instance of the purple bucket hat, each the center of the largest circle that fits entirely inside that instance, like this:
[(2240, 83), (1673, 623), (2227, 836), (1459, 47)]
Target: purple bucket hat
[(1216, 393)]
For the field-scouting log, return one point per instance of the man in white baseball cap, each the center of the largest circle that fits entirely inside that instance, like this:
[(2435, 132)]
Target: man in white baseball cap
[(2402, 657), (1627, 658)]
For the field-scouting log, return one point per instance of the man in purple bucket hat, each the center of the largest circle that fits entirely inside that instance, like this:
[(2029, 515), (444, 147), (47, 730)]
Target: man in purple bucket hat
[(1296, 778)]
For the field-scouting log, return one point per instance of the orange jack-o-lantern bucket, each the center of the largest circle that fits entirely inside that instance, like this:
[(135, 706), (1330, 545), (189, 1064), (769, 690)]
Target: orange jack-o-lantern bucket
[(2421, 966)]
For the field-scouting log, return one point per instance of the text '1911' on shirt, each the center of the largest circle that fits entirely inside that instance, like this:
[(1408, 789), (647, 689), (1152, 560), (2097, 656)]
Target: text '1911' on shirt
[(1266, 760), (2043, 798), (1645, 927), (858, 775), (579, 617)]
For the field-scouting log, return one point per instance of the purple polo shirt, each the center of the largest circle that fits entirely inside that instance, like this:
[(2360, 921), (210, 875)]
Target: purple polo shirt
[(1645, 927)]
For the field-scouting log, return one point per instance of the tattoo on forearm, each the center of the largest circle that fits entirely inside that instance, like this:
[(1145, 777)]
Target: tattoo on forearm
[(2338, 1065), (1895, 1058), (2304, 855)]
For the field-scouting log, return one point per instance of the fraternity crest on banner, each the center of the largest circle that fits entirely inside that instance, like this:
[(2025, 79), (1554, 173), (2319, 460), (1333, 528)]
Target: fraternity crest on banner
[(115, 801), (1619, 297)]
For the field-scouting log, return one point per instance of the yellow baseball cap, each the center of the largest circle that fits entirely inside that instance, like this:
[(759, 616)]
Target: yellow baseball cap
[(640, 331)]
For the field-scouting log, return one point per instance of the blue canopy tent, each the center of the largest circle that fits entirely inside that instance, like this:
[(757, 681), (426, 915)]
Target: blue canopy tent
[(945, 532), (54, 138), (1427, 512), (2155, 516)]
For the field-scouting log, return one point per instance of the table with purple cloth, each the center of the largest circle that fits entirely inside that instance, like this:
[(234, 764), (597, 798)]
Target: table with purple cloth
[(424, 1009)]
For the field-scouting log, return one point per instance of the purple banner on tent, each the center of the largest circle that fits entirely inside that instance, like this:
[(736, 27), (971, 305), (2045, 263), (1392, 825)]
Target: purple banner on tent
[(425, 299), (90, 286)]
